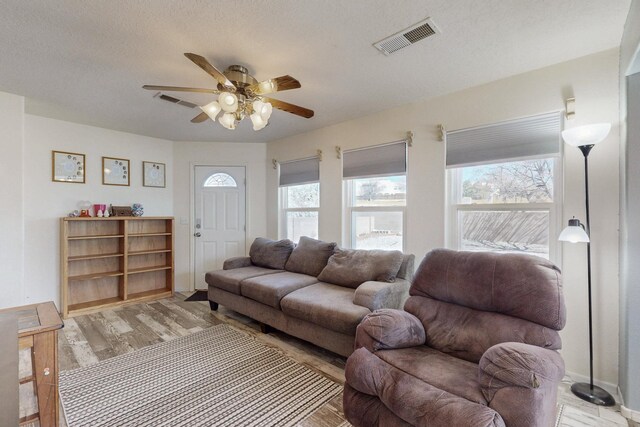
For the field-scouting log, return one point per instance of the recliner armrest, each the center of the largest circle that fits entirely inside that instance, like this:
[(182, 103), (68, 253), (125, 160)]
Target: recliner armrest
[(236, 262), (377, 295), (386, 329), (521, 365)]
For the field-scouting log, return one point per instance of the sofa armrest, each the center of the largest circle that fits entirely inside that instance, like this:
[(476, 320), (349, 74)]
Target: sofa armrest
[(376, 295), (236, 262), (387, 328), (520, 365)]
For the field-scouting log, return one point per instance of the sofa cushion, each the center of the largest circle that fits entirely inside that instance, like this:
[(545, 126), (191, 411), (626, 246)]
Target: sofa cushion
[(270, 253), (445, 372), (310, 256), (326, 305), (269, 289), (518, 285), (349, 267), (411, 398), (229, 280), (467, 333)]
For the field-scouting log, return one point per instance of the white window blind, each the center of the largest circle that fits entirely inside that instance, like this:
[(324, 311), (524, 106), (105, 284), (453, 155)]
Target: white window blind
[(298, 172), (383, 160), (536, 136)]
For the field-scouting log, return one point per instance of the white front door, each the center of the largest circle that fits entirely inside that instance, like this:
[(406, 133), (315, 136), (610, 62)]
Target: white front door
[(219, 223)]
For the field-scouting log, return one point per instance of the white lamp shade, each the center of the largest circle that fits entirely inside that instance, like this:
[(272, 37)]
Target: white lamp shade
[(586, 135), (574, 234), (257, 121), (228, 101), (228, 120), (264, 109), (212, 109)]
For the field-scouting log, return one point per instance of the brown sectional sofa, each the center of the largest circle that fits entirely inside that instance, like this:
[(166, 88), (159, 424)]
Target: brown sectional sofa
[(313, 291)]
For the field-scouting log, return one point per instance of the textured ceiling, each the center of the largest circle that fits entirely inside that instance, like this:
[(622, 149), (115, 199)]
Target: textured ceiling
[(86, 61)]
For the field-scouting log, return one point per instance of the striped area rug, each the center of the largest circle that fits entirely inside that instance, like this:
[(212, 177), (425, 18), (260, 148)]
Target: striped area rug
[(216, 377)]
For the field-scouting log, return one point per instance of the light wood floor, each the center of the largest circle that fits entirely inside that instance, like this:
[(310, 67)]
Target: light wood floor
[(87, 339)]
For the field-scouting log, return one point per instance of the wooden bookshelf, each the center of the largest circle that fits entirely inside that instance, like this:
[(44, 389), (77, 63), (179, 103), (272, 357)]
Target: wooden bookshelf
[(106, 262)]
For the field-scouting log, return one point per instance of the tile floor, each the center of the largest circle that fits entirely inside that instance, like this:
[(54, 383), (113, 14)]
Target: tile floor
[(578, 413)]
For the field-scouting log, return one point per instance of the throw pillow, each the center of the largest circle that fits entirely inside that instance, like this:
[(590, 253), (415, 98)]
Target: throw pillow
[(270, 253), (310, 256), (349, 267)]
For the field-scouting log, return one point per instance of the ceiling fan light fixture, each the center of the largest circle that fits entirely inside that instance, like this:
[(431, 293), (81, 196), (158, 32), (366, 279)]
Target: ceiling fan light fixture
[(239, 95), (228, 101), (258, 121), (228, 120), (267, 86), (212, 109), (264, 109)]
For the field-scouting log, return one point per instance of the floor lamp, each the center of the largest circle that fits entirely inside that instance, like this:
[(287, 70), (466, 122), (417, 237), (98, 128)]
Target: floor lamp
[(585, 137)]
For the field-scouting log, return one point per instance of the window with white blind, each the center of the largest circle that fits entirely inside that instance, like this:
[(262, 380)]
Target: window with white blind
[(299, 198), (376, 196), (504, 184)]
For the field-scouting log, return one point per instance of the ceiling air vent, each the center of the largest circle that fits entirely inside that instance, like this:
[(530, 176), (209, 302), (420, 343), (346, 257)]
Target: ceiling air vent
[(407, 37), (173, 100)]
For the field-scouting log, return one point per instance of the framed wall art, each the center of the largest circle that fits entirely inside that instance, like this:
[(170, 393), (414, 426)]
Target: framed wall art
[(153, 174), (115, 171), (67, 167)]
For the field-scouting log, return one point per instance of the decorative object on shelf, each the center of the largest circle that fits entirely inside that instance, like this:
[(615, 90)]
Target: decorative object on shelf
[(98, 210), (121, 211), (585, 137), (74, 214), (115, 171), (137, 210), (84, 206), (67, 167), (153, 174), (106, 213), (239, 95)]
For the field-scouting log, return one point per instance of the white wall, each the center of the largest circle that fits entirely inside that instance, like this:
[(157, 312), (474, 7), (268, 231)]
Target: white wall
[(188, 154), (11, 194), (29, 252), (46, 201), (629, 204), (593, 80)]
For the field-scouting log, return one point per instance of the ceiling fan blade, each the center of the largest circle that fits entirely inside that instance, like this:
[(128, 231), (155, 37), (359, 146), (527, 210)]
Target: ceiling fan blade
[(200, 118), (290, 108), (273, 85), (174, 100), (201, 62), (180, 89)]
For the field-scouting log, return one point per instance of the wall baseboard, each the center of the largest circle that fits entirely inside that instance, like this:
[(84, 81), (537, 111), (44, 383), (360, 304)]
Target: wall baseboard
[(629, 414), (611, 388)]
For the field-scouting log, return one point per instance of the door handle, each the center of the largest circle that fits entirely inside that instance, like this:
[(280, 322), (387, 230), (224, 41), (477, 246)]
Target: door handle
[(197, 234)]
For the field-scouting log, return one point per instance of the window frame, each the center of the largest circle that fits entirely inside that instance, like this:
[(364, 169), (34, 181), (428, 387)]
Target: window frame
[(349, 237), (284, 209), (454, 181), (215, 185)]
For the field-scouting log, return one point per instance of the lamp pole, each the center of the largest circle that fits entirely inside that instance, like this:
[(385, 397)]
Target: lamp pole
[(589, 392)]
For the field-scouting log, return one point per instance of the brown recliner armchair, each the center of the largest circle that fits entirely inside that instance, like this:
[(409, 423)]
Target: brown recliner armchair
[(475, 346)]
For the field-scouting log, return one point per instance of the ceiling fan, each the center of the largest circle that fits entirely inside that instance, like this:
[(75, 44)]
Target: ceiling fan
[(239, 95)]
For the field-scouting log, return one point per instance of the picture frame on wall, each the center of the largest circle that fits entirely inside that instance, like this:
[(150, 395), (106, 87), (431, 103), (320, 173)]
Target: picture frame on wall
[(115, 171), (68, 167), (154, 174)]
